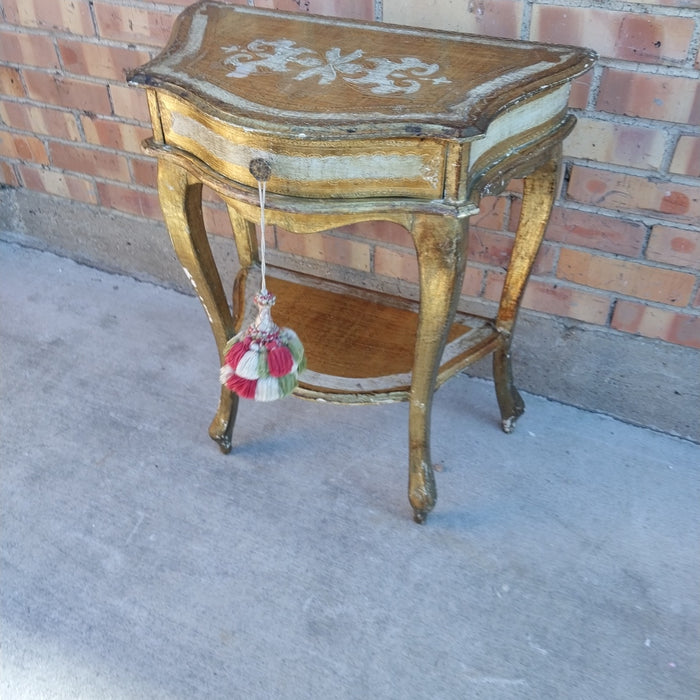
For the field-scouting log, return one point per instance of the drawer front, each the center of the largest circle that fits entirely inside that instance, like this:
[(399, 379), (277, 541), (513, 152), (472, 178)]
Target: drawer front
[(406, 167)]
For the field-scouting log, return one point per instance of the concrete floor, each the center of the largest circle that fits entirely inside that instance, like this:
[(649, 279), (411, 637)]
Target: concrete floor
[(561, 561)]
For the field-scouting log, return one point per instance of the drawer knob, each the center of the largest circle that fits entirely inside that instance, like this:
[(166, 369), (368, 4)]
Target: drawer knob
[(260, 169)]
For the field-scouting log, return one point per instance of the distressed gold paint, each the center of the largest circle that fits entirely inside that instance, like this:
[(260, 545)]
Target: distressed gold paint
[(341, 155)]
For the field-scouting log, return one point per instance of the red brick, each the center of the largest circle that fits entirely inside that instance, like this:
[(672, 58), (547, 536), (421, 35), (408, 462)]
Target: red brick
[(486, 17), (130, 103), (624, 277), (271, 233), (491, 214), (494, 285), (560, 300), (650, 95), (649, 38), (28, 49), (89, 161), (99, 60), (326, 247), (674, 246), (340, 251), (10, 82), (208, 195), (554, 298), (473, 281), (354, 9), (627, 192), (685, 330), (25, 148), (395, 263), (653, 322), (380, 231), (69, 16), (608, 142), (129, 200), (40, 120), (7, 175), (686, 157), (625, 35), (217, 217), (216, 221), (66, 92), (580, 91), (403, 265), (579, 228), (133, 24), (144, 171), (114, 134), (490, 248), (515, 186), (58, 183)]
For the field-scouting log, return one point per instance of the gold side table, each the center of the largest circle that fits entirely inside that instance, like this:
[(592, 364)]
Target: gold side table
[(359, 122)]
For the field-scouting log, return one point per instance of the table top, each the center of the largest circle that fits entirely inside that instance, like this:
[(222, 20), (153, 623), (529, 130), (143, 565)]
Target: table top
[(342, 78)]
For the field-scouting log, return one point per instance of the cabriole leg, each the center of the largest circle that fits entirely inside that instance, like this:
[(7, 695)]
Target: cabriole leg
[(510, 403), (538, 197), (441, 250), (181, 201)]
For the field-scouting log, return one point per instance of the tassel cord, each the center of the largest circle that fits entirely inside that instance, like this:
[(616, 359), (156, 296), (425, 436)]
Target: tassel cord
[(263, 363), (261, 196)]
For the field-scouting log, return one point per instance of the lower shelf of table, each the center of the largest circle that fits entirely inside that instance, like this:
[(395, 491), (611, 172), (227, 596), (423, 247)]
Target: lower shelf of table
[(360, 344)]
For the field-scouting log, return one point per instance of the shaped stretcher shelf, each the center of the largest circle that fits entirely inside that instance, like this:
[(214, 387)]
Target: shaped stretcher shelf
[(359, 344)]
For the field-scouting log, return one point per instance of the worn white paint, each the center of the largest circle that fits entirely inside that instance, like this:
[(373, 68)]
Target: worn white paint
[(499, 84), (521, 119), (380, 76), (310, 168)]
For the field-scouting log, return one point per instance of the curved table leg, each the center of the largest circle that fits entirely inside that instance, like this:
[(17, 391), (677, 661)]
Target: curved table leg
[(181, 201), (441, 244), (538, 197)]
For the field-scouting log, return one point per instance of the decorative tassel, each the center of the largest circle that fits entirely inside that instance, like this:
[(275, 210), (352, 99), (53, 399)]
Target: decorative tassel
[(264, 362)]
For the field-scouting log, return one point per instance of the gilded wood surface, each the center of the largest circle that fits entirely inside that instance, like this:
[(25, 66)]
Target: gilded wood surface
[(348, 336), (343, 210), (408, 167), (358, 346), (358, 122), (181, 201), (539, 192), (324, 77), (441, 245)]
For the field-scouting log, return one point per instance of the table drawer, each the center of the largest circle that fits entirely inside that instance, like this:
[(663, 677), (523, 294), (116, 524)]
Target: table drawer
[(351, 168)]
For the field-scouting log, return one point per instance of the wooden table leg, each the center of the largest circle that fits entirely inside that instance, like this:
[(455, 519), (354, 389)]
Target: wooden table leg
[(538, 197), (181, 201), (441, 244)]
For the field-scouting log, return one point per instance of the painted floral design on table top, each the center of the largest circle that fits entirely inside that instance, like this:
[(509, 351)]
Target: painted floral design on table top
[(380, 76)]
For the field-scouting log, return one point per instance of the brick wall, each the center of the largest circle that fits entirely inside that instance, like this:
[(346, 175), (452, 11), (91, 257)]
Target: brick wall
[(623, 247)]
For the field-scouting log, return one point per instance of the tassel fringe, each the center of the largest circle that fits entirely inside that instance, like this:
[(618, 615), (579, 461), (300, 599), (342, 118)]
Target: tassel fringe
[(265, 362)]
